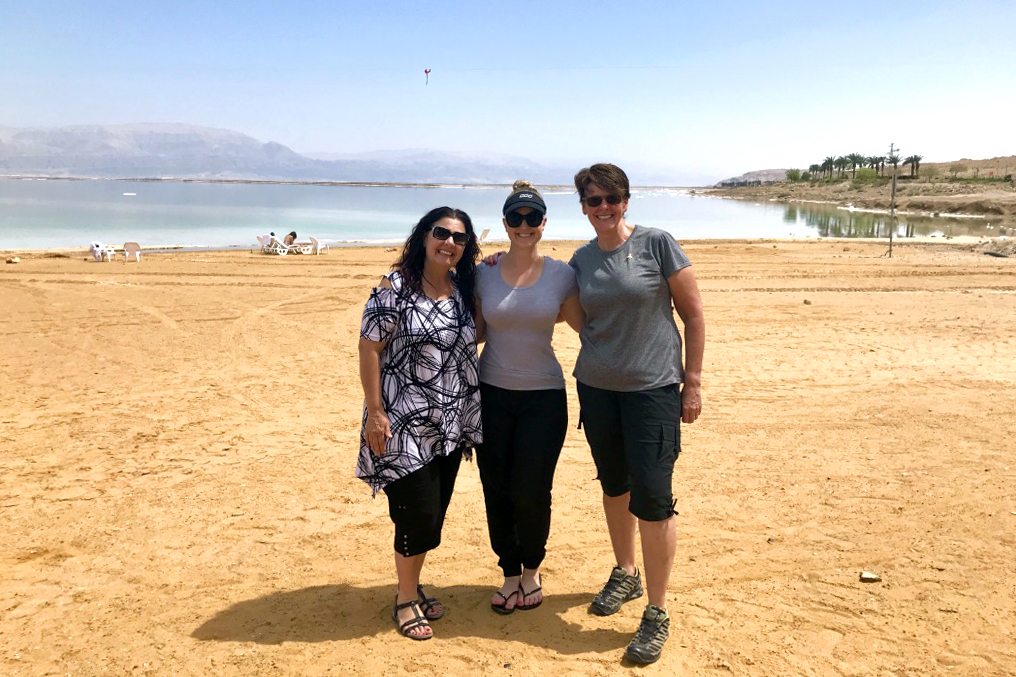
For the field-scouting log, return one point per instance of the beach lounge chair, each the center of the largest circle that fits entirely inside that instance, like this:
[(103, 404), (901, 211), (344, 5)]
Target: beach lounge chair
[(318, 248), (131, 249), (275, 246), (301, 248), (100, 251), (265, 241)]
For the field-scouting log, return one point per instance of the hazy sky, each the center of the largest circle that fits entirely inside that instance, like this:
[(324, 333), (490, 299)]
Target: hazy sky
[(703, 89)]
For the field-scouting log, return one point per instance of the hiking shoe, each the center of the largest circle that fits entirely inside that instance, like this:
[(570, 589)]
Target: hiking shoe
[(621, 587), (647, 644)]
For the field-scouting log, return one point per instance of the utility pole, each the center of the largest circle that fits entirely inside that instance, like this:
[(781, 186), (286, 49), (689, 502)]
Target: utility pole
[(892, 204)]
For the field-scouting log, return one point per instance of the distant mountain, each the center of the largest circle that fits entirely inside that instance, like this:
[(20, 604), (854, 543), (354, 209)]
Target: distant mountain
[(755, 178), (188, 151)]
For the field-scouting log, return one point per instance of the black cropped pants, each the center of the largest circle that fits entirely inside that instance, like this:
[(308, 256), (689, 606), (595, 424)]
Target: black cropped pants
[(523, 432)]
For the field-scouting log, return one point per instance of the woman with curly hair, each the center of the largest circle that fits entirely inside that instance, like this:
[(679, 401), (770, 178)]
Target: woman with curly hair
[(418, 368)]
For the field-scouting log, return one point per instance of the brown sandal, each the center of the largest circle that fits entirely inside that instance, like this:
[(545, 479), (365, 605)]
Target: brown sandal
[(429, 605), (418, 620)]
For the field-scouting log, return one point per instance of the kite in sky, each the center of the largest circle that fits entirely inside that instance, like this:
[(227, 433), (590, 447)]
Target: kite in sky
[(426, 72)]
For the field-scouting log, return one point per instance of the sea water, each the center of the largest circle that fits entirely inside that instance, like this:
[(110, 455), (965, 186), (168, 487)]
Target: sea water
[(50, 213)]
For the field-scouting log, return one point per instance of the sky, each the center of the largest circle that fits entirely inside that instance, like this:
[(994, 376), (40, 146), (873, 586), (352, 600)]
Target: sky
[(701, 90)]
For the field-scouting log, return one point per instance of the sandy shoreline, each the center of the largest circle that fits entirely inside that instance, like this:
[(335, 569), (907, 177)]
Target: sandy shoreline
[(995, 202), (178, 438)]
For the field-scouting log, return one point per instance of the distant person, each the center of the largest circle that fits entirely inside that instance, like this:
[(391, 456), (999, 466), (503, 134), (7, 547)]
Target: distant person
[(418, 368), (634, 391), (525, 409), (289, 239)]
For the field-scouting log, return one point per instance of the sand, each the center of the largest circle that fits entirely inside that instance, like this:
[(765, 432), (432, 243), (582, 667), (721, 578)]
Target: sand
[(178, 438)]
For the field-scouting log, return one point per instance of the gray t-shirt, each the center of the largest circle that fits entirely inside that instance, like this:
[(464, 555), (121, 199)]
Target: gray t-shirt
[(630, 340), (520, 325)]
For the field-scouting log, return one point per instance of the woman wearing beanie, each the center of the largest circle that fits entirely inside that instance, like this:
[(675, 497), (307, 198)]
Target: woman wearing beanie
[(522, 394)]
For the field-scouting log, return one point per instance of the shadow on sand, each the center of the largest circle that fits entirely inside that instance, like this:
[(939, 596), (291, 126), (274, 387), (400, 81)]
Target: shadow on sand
[(327, 613)]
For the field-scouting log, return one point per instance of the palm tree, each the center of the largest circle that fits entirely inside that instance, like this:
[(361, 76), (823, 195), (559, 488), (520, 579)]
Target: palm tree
[(894, 160), (828, 164), (841, 164), (915, 165), (856, 160), (873, 161)]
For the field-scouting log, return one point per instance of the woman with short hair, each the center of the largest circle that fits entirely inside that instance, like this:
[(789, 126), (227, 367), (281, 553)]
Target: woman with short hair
[(634, 390)]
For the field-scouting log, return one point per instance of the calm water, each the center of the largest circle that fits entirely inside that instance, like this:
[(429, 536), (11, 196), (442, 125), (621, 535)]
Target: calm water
[(41, 214)]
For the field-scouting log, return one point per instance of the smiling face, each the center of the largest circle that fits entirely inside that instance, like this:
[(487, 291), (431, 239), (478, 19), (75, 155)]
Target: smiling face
[(605, 217), (524, 235), (444, 254)]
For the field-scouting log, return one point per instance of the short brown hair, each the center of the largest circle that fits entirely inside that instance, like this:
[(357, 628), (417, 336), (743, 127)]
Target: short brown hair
[(610, 178)]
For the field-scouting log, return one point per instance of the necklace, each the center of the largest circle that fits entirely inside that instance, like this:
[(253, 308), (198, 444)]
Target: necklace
[(432, 285)]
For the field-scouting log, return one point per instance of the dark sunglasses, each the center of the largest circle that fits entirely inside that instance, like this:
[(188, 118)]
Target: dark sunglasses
[(532, 219), (442, 233), (597, 200)]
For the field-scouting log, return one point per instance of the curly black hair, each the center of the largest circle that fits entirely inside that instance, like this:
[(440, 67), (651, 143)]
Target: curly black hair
[(414, 252)]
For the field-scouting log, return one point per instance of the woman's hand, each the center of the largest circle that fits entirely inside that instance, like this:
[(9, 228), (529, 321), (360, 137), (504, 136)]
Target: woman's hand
[(377, 431), (691, 402), (491, 259)]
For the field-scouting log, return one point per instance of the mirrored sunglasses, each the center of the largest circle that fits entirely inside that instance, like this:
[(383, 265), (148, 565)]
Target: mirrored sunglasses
[(532, 219), (442, 233), (597, 200)]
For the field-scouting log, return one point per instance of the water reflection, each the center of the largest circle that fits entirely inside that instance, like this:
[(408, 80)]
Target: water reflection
[(833, 221)]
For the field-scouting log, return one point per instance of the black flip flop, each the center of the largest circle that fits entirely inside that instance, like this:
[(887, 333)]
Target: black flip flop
[(503, 608), (523, 594)]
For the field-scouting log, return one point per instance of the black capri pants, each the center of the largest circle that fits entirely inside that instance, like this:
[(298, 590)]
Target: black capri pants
[(418, 502), (635, 439), (523, 432)]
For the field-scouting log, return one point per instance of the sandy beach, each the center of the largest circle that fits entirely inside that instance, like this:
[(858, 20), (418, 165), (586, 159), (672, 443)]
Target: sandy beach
[(178, 439)]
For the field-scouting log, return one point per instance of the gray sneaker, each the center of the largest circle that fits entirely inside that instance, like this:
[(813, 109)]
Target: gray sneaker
[(647, 644), (621, 587)]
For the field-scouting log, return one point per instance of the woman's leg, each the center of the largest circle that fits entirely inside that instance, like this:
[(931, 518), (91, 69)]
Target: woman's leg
[(494, 460), (652, 437), (601, 419), (408, 571), (417, 505), (540, 430)]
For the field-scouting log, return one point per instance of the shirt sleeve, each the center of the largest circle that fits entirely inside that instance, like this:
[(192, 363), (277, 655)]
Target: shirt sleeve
[(380, 315), (668, 253), (569, 284)]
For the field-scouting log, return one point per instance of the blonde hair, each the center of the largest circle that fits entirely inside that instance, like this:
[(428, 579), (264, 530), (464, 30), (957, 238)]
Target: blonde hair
[(523, 186)]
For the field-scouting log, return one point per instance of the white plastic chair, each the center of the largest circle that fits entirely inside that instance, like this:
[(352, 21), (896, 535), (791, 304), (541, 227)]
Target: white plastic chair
[(131, 248), (318, 248), (100, 251), (265, 241)]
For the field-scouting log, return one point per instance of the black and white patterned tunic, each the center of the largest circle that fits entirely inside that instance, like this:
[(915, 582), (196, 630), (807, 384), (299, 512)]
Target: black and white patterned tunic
[(429, 380)]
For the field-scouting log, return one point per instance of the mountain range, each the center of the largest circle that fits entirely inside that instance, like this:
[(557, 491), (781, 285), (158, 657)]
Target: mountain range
[(173, 150)]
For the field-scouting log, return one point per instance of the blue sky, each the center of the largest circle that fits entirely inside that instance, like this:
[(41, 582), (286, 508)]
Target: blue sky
[(701, 90)]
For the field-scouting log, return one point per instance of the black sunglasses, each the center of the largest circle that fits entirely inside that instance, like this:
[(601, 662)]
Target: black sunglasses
[(532, 219), (442, 233), (597, 200)]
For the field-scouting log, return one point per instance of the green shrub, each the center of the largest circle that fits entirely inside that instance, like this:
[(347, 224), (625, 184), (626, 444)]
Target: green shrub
[(865, 174)]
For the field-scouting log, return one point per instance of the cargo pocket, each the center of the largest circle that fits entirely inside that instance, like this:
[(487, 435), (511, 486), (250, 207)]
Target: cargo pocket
[(670, 443)]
